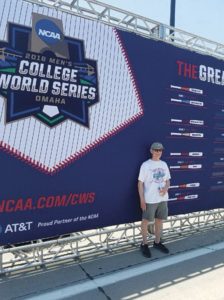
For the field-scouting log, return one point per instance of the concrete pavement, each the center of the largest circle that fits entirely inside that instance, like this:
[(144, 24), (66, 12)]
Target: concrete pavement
[(194, 269)]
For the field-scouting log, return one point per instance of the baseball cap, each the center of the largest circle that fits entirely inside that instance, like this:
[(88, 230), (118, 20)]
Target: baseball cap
[(156, 146)]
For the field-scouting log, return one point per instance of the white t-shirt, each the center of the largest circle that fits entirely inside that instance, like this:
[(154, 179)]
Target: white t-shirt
[(154, 174)]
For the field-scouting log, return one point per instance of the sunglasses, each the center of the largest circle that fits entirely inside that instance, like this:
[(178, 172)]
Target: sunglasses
[(158, 150)]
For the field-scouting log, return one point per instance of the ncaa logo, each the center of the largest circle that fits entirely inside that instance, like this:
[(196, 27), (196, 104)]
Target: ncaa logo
[(48, 32)]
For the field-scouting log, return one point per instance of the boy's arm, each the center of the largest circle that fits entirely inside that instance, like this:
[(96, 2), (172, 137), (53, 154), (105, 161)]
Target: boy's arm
[(141, 195)]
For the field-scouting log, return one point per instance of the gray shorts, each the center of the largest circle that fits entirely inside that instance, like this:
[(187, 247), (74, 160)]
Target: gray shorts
[(155, 211)]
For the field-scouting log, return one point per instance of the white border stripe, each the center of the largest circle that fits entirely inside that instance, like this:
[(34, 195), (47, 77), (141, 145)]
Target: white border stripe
[(76, 289)]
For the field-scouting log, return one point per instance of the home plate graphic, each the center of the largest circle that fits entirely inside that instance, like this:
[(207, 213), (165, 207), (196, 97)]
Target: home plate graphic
[(65, 86)]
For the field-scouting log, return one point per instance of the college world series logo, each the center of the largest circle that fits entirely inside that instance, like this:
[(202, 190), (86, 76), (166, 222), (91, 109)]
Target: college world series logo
[(46, 75)]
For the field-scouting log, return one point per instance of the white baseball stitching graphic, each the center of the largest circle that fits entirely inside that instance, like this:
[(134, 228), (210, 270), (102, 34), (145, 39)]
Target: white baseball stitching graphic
[(50, 149)]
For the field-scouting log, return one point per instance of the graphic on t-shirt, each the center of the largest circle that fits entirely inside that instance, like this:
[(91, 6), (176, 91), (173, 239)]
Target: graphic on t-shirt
[(158, 175)]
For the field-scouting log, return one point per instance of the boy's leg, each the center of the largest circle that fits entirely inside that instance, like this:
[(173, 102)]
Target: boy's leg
[(161, 214), (144, 245), (158, 229), (144, 229), (147, 216)]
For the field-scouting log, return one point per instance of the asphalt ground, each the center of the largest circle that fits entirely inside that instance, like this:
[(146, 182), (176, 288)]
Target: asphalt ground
[(194, 269)]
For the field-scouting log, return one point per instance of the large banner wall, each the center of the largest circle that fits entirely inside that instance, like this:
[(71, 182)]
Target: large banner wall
[(80, 104)]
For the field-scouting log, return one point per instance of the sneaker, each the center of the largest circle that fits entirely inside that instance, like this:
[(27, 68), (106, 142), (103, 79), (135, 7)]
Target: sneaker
[(145, 250), (161, 247)]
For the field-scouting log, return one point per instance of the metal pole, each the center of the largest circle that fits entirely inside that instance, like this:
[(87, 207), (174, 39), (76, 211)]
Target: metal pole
[(172, 15), (1, 260), (172, 12)]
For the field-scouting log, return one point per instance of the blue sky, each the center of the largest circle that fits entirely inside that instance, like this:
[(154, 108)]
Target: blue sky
[(201, 17)]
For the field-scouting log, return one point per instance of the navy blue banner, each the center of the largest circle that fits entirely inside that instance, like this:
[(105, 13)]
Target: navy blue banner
[(183, 108), (181, 104)]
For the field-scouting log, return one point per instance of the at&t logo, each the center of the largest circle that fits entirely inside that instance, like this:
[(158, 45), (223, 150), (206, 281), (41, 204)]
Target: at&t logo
[(17, 227)]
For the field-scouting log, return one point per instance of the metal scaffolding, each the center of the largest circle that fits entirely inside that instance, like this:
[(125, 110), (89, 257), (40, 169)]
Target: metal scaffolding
[(129, 21), (98, 242)]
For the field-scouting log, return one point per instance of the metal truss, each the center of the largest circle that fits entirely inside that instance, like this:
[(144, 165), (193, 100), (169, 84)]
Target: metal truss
[(87, 245), (129, 21)]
